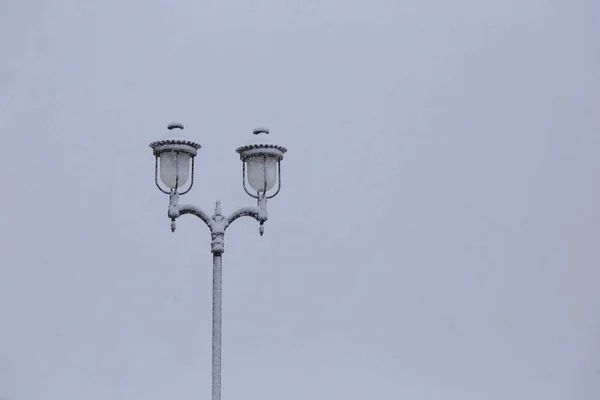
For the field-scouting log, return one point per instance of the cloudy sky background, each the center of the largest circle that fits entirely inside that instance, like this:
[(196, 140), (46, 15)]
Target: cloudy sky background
[(437, 232)]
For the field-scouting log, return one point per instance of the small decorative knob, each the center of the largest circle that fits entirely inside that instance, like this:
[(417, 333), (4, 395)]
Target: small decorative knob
[(175, 125), (261, 130)]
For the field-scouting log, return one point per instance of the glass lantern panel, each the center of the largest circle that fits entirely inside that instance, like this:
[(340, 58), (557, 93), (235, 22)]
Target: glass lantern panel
[(174, 164), (257, 167)]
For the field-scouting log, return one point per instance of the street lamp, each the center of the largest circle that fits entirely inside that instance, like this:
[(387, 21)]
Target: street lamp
[(261, 171)]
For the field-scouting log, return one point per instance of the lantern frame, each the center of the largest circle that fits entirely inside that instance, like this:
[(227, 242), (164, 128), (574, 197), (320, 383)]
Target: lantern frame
[(177, 146), (267, 151)]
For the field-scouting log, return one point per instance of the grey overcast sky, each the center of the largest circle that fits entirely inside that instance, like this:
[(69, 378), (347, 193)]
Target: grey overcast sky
[(437, 232)]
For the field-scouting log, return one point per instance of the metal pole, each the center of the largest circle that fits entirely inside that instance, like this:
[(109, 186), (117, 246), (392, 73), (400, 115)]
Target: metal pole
[(216, 326)]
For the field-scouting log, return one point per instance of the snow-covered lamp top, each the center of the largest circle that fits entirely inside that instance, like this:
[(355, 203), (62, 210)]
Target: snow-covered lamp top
[(175, 142)]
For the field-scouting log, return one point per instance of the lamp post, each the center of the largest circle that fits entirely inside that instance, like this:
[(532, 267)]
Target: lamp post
[(261, 170)]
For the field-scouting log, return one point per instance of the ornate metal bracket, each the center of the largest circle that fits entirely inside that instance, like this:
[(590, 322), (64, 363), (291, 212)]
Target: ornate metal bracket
[(218, 223)]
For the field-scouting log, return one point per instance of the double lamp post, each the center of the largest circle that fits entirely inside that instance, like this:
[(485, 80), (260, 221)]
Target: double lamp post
[(261, 171)]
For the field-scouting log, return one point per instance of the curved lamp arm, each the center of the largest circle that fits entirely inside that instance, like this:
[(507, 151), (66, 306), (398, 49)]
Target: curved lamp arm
[(176, 210), (255, 212), (189, 209), (259, 213)]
